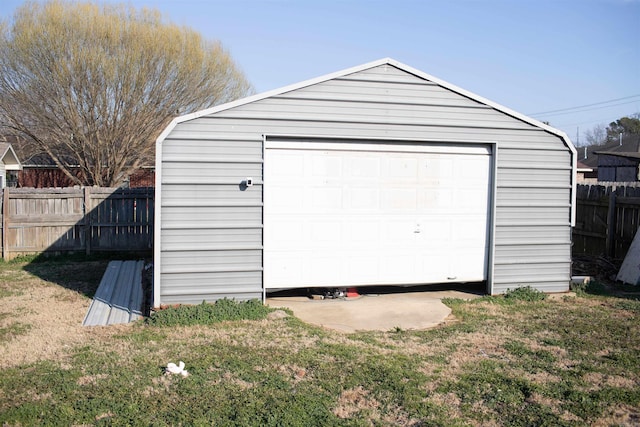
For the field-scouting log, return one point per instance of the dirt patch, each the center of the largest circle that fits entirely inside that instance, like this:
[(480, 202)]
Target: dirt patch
[(622, 415), (54, 315), (598, 380), (353, 401)]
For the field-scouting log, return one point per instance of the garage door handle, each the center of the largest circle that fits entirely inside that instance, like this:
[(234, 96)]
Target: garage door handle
[(416, 231)]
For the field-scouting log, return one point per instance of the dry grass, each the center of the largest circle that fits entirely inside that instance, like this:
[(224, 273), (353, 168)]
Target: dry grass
[(560, 362), (54, 315)]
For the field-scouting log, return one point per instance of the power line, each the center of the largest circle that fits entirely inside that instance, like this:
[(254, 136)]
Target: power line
[(588, 105), (587, 109)]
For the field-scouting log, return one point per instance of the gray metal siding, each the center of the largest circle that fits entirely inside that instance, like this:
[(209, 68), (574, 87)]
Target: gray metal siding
[(208, 221), (211, 227)]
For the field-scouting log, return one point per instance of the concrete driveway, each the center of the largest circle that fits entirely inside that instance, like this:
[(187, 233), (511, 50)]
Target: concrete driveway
[(376, 309)]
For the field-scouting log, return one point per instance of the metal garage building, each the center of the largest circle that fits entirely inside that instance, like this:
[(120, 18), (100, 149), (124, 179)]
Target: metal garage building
[(376, 175)]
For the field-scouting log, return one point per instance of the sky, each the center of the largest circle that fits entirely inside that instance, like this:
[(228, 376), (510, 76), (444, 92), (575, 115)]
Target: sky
[(572, 63)]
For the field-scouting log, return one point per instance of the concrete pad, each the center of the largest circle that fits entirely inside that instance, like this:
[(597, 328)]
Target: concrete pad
[(373, 312)]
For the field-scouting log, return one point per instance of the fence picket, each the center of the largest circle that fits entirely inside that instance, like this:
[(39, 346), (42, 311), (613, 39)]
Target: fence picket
[(107, 219), (607, 218), (75, 219)]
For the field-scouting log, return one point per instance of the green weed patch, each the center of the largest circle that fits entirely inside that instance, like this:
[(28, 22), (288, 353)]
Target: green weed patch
[(13, 330), (207, 314), (525, 293)]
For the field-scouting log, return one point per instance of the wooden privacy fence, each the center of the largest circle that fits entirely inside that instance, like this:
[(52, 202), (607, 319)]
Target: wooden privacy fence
[(109, 219), (607, 218), (76, 219)]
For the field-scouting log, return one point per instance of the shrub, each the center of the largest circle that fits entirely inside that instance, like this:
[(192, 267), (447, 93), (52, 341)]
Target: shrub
[(525, 293), (592, 287), (207, 314)]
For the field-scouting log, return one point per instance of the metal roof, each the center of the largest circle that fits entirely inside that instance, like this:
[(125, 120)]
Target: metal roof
[(342, 73)]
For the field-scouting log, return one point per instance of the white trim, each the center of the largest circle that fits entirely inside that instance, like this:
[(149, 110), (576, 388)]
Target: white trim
[(264, 288), (342, 138), (492, 220), (574, 183), (341, 143), (157, 219), (379, 147)]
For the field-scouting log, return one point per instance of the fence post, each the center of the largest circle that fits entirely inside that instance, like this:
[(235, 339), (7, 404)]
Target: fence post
[(86, 212), (5, 223), (611, 224)]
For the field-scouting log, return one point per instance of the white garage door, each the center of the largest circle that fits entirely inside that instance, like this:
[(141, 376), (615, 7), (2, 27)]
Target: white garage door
[(350, 214)]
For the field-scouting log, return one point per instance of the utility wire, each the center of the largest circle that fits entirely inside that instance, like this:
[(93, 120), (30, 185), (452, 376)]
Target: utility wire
[(585, 109), (588, 105)]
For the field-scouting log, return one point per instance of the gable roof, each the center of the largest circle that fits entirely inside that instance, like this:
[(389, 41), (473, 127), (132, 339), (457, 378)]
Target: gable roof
[(8, 157), (583, 168), (342, 73), (627, 145), (630, 147)]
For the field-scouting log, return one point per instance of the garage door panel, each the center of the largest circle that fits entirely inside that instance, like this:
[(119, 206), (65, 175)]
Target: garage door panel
[(466, 266), (363, 232), (433, 169), (433, 266), (399, 199), (283, 234), (284, 267), (361, 166), (352, 218), (323, 233), (468, 231), (362, 198), (430, 199), (470, 199), (326, 199), (471, 168), (362, 269), (326, 165), (438, 229), (398, 268), (282, 202), (325, 269), (289, 164), (402, 167), (399, 231)]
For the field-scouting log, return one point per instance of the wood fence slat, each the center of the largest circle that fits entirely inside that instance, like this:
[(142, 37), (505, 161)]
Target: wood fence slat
[(5, 228), (75, 219), (607, 218)]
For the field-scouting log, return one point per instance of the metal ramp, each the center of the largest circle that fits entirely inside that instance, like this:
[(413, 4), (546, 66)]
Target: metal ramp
[(119, 295)]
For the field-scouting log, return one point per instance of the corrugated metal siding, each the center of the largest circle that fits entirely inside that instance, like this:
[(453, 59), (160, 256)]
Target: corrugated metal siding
[(211, 225), (207, 215)]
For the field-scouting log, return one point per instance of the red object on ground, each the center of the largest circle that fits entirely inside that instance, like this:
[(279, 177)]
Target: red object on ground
[(352, 292)]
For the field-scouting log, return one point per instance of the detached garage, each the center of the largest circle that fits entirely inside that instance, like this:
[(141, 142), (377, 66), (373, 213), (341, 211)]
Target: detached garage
[(376, 175)]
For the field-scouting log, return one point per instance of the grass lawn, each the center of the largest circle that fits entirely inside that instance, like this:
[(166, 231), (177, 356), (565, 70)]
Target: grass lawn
[(568, 361)]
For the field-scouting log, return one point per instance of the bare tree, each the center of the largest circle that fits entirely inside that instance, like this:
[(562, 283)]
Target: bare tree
[(596, 135), (94, 85)]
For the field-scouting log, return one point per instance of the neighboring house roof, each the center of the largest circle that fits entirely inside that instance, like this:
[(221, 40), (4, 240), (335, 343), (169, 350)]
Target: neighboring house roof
[(584, 168), (590, 158), (630, 155), (630, 147), (8, 157), (43, 160)]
